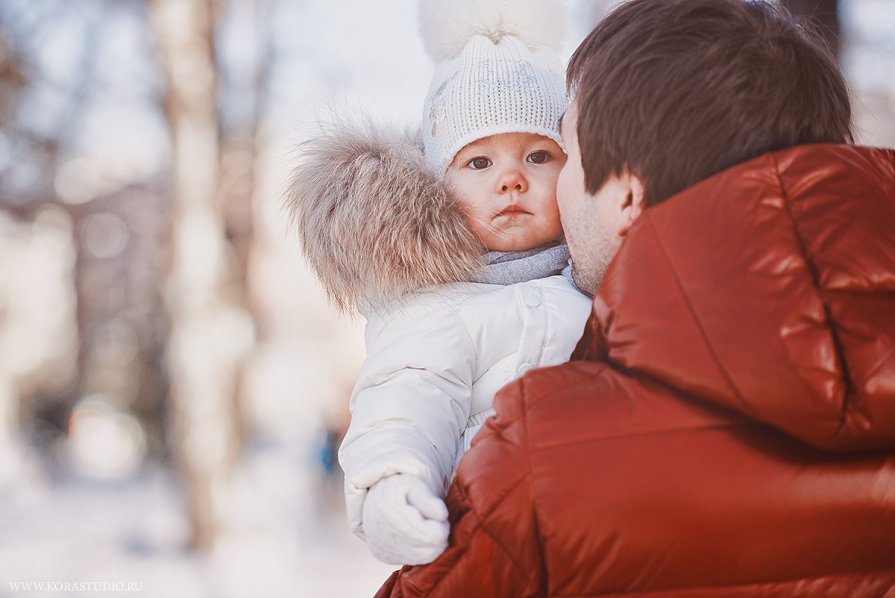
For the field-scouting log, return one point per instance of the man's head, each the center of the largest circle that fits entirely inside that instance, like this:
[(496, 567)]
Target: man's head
[(670, 92)]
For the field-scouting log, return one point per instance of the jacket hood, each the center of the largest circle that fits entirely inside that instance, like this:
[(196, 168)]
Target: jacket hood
[(768, 289), (373, 222)]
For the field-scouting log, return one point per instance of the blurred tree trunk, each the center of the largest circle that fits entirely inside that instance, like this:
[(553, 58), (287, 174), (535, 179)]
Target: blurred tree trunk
[(824, 13), (12, 82), (210, 332), (242, 154)]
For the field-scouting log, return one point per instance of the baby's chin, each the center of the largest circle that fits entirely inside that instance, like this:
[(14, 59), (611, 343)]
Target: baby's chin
[(517, 241)]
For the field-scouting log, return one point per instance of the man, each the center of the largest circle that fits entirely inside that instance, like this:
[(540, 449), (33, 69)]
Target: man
[(726, 425)]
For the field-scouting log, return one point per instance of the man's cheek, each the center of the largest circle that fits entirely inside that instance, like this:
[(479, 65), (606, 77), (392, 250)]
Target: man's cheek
[(561, 192)]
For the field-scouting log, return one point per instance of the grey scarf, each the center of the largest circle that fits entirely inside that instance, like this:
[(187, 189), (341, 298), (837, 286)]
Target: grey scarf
[(510, 267)]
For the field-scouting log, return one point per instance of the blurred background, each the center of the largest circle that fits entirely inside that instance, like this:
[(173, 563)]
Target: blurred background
[(173, 385)]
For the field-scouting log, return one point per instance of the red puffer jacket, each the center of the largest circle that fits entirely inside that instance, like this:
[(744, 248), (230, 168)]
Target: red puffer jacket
[(727, 423)]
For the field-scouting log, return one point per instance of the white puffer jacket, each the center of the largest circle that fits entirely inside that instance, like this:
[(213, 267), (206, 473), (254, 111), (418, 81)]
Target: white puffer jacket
[(381, 231), (433, 366)]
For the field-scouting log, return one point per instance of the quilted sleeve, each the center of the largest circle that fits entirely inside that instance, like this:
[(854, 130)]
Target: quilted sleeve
[(411, 400)]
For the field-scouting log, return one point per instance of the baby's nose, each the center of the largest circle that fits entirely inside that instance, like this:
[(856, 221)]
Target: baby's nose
[(512, 180)]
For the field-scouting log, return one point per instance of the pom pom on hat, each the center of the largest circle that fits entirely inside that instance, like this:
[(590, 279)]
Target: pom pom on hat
[(447, 25)]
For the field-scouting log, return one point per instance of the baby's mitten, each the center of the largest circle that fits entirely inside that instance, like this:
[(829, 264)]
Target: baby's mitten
[(405, 523)]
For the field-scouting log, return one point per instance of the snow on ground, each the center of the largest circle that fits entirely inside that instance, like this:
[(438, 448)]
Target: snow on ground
[(286, 534)]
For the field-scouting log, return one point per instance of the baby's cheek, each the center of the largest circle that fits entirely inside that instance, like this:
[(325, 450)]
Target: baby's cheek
[(555, 224), (480, 229)]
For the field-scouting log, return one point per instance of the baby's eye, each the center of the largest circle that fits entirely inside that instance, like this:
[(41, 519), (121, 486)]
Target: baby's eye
[(538, 157), (479, 163)]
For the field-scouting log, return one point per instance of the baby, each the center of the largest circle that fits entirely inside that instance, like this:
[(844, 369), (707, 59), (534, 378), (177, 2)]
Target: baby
[(454, 253)]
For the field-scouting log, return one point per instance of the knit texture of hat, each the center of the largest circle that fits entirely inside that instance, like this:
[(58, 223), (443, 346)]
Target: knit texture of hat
[(497, 72)]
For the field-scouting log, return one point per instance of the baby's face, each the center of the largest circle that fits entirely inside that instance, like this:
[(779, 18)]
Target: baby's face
[(507, 186)]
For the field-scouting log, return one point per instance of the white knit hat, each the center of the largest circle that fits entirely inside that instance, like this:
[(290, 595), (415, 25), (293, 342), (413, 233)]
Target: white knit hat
[(497, 72)]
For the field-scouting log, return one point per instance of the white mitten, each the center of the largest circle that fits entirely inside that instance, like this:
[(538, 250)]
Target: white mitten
[(405, 523)]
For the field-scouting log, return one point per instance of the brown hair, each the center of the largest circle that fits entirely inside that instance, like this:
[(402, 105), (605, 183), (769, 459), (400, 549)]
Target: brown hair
[(677, 90)]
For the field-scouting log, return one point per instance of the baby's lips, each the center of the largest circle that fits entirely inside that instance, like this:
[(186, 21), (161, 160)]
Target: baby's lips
[(511, 211)]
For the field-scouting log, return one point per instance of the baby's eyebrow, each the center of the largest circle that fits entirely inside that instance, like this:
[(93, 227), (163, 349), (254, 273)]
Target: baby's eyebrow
[(471, 150)]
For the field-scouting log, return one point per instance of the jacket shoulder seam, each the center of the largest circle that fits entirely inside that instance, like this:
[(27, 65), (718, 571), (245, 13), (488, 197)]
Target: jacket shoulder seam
[(475, 349), (692, 311), (815, 282)]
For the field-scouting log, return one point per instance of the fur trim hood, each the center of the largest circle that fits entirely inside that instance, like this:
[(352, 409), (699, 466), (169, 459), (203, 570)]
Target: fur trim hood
[(374, 223)]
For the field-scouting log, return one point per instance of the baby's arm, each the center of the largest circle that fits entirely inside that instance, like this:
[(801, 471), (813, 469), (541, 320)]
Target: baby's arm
[(409, 406)]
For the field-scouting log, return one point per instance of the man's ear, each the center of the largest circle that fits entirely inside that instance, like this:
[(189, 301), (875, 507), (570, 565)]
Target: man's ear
[(633, 205)]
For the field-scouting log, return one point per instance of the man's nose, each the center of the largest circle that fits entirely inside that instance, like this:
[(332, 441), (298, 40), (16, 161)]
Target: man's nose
[(512, 179)]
